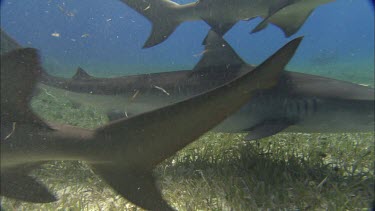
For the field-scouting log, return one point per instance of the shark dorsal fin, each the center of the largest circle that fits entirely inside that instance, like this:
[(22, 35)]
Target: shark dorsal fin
[(217, 52), (20, 70), (81, 74)]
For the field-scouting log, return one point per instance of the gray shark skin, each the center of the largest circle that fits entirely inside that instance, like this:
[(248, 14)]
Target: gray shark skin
[(123, 152), (221, 15), (7, 42), (299, 103)]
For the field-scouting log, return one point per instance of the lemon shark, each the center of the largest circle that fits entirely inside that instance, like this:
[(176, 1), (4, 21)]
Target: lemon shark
[(299, 103), (221, 15), (123, 152)]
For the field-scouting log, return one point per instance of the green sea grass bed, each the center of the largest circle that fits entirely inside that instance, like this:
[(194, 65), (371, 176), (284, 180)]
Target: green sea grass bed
[(221, 171)]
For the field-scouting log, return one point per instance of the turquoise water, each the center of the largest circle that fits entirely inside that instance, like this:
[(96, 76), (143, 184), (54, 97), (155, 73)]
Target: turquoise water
[(105, 38)]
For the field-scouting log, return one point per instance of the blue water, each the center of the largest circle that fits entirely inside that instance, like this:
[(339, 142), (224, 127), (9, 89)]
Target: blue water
[(105, 38)]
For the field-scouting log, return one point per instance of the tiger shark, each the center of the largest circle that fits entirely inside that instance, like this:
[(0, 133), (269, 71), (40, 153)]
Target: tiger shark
[(222, 15), (298, 103), (123, 152)]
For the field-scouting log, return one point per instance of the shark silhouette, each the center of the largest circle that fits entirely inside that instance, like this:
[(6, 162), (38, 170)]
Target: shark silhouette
[(221, 15), (7, 42), (299, 103), (123, 152)]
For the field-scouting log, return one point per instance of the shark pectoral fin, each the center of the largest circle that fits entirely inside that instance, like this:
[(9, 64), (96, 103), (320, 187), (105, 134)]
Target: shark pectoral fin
[(161, 30), (267, 128), (162, 14), (291, 18), (137, 186), (25, 188), (218, 27), (262, 25), (217, 53), (272, 11)]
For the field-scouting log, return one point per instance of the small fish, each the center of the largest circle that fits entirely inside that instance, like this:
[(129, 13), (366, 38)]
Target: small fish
[(161, 89)]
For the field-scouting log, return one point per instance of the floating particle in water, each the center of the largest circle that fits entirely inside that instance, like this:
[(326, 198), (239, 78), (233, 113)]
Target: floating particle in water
[(161, 89), (200, 54), (148, 7), (70, 14), (85, 35), (11, 133), (109, 19), (135, 95), (365, 85), (55, 34)]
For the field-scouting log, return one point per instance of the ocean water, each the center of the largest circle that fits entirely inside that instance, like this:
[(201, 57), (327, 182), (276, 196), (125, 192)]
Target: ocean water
[(105, 38)]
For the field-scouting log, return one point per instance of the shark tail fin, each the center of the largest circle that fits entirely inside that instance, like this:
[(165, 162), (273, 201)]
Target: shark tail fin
[(138, 187), (162, 14), (19, 185), (129, 171), (149, 139)]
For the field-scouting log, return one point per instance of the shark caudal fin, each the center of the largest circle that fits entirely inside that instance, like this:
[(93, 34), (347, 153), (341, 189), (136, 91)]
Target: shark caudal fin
[(137, 144), (137, 186), (17, 184), (20, 70), (163, 15)]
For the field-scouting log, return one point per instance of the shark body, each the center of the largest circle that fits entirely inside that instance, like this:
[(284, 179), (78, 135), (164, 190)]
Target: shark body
[(123, 152), (221, 15), (7, 43), (299, 103)]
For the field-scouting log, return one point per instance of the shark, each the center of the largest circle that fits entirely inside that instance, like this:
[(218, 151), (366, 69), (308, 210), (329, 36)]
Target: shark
[(222, 15), (123, 152), (299, 102), (7, 42)]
